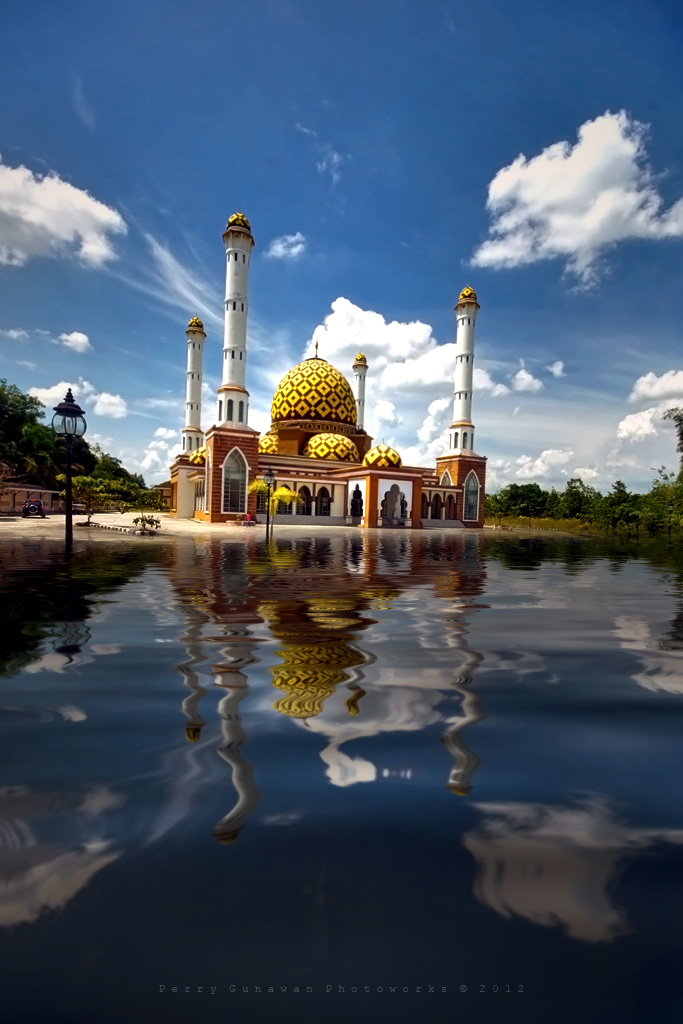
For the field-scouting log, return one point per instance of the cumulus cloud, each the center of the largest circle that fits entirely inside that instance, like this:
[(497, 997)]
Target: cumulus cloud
[(166, 432), (287, 247), (102, 403), (525, 381), (587, 473), (649, 386), (43, 215), (14, 333), (574, 202), (483, 381), (77, 341), (556, 368), (551, 458), (435, 421), (638, 425)]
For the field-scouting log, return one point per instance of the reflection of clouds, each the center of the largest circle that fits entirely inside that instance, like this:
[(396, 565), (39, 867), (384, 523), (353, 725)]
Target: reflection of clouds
[(286, 818), (660, 670), (69, 713), (553, 865), (38, 876)]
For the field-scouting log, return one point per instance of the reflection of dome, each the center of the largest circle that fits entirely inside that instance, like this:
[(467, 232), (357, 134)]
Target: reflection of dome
[(238, 220), (192, 733), (305, 692), (332, 446), (468, 295), (196, 322), (314, 390), (268, 443), (198, 456), (382, 456)]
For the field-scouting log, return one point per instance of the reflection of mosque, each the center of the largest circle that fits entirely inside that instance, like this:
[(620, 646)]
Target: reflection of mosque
[(317, 597)]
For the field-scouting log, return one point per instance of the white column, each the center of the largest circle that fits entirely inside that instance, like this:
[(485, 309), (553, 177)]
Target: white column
[(360, 368), (466, 317), (238, 245), (192, 436)]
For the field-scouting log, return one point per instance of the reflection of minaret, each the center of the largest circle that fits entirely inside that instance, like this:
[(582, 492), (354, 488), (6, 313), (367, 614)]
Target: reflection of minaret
[(465, 762), (248, 796)]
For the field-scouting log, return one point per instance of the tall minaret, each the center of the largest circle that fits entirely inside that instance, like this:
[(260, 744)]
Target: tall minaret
[(192, 435), (360, 368), (461, 430), (233, 397)]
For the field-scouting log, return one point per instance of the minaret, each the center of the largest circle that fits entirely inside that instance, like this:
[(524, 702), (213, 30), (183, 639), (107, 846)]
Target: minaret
[(192, 435), (461, 430), (360, 368), (233, 397)]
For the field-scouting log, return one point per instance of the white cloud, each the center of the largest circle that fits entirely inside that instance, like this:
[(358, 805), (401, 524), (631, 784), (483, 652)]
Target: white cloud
[(435, 421), (638, 425), (42, 215), (586, 473), (525, 381), (551, 458), (556, 368), (304, 131), (286, 247), (77, 341), (576, 201), (483, 381), (83, 109), (110, 405), (649, 386), (101, 403), (166, 432), (330, 162), (26, 363), (14, 333), (515, 410)]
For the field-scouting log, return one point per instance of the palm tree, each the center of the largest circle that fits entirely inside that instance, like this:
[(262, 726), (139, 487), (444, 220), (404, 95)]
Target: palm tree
[(281, 494)]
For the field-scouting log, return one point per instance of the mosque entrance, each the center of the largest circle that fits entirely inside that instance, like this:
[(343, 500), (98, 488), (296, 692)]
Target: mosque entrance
[(394, 507)]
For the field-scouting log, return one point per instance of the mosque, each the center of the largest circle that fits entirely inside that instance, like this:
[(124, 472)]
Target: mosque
[(317, 446)]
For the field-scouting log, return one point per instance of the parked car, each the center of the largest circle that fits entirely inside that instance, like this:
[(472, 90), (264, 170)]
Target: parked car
[(33, 507), (77, 507)]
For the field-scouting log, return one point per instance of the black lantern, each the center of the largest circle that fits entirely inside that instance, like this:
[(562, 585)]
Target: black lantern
[(68, 422), (269, 481)]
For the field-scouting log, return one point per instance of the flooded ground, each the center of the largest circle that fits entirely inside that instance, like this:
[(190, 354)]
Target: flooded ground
[(369, 776)]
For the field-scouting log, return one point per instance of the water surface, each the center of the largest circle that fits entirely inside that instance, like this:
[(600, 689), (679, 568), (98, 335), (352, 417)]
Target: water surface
[(443, 763)]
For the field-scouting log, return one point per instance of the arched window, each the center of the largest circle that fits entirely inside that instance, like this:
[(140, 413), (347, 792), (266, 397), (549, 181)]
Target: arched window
[(446, 480), (235, 482), (424, 507), (189, 443), (305, 506), (471, 498), (207, 482), (260, 502), (450, 507), (322, 502), (464, 439), (284, 508), (231, 407), (436, 506), (241, 415), (456, 439), (183, 441)]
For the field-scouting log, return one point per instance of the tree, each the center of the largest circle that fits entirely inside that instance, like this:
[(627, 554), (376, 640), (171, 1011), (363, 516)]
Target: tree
[(281, 494), (676, 415), (91, 493)]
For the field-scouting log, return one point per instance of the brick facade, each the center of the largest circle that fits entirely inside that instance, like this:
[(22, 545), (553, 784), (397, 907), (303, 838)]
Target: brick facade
[(459, 467), (219, 443)]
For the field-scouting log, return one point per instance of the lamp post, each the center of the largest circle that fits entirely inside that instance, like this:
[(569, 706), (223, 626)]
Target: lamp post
[(68, 422), (269, 480)]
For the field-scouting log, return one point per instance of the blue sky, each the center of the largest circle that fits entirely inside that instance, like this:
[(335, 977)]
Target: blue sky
[(374, 139)]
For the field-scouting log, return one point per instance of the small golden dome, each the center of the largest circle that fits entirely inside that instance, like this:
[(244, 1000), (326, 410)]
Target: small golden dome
[(268, 443), (196, 322), (360, 358), (382, 456), (192, 733), (332, 446), (238, 220), (314, 390), (468, 294), (198, 456)]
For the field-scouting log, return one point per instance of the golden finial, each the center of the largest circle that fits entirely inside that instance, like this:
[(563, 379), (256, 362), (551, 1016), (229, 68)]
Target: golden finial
[(360, 358), (196, 322), (468, 294), (352, 702)]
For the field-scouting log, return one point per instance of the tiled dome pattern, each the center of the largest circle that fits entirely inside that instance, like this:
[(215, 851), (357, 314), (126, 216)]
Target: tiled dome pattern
[(332, 446), (382, 456), (314, 390), (268, 443)]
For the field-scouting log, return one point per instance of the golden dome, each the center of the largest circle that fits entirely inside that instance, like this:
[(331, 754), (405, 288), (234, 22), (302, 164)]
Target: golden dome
[(382, 456), (332, 446), (196, 322), (268, 443), (192, 733), (238, 220), (468, 294), (305, 692), (360, 358), (198, 456), (314, 390)]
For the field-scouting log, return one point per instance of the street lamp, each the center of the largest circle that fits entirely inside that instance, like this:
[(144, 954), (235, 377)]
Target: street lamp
[(269, 481), (68, 422)]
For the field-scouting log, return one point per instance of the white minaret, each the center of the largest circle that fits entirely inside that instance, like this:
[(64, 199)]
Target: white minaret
[(461, 430), (192, 436), (360, 368), (233, 397)]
